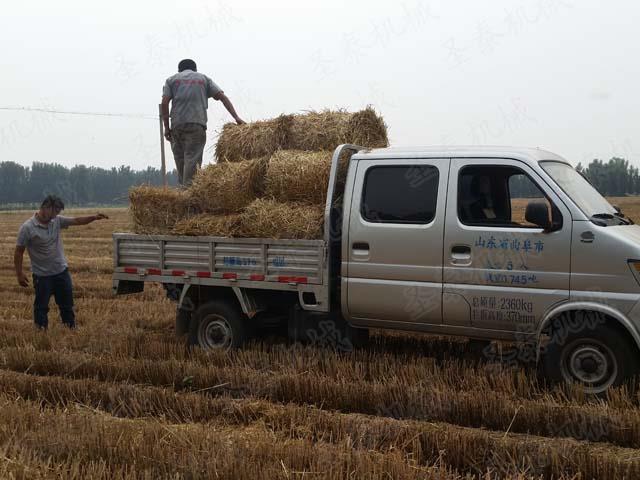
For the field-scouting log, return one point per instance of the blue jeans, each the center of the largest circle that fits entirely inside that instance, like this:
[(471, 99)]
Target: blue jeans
[(61, 288)]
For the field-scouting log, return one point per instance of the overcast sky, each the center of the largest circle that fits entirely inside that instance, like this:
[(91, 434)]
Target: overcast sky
[(557, 74)]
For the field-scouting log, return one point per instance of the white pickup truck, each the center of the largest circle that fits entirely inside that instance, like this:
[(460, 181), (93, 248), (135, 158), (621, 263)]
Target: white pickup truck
[(489, 243)]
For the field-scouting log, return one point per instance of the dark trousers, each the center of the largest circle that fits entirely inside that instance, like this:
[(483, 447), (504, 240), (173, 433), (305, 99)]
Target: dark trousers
[(61, 288)]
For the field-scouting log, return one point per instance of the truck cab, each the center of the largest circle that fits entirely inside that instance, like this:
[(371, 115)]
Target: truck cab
[(493, 243)]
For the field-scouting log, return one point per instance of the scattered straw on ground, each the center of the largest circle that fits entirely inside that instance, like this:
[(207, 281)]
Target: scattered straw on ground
[(155, 210)]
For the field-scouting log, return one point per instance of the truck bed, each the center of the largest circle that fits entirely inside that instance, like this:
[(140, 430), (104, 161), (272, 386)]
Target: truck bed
[(259, 263), (303, 266)]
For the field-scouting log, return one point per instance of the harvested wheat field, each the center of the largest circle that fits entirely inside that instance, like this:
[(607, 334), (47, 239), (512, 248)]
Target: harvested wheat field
[(122, 398)]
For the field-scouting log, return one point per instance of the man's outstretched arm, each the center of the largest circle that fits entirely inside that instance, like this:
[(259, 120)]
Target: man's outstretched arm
[(229, 106), (17, 263), (86, 220)]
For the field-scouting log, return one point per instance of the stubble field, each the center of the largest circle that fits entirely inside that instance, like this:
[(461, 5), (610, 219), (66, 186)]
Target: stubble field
[(122, 397)]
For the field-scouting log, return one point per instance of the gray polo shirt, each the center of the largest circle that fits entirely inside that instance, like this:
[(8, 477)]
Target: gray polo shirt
[(44, 245), (189, 92)]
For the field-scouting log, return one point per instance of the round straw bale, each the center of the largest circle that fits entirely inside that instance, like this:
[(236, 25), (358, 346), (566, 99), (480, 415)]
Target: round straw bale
[(228, 187), (155, 210), (271, 219), (251, 140), (208, 225), (297, 176)]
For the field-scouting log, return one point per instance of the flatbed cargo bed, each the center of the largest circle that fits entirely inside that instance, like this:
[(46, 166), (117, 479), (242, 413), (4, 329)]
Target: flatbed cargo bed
[(258, 263)]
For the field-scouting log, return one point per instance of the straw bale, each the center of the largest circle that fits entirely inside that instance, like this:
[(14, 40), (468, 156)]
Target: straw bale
[(319, 130), (367, 129), (228, 187), (297, 176), (155, 210), (208, 225), (252, 140), (271, 219), (312, 130)]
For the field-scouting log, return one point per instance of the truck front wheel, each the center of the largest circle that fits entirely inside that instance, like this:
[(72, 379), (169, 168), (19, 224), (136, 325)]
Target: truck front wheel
[(596, 359), (218, 325)]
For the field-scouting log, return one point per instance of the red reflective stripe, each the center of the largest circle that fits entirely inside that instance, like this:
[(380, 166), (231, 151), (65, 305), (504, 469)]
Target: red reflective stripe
[(130, 270), (203, 274), (292, 279), (256, 277), (229, 276), (154, 271), (177, 273)]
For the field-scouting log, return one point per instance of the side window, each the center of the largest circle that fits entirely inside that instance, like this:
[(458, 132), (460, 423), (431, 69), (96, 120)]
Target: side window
[(400, 194), (498, 196)]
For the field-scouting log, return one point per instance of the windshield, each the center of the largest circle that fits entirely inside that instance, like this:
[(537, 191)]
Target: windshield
[(587, 198)]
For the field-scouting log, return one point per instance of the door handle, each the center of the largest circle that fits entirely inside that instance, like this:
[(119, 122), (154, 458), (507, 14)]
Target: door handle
[(461, 254), (461, 250), (360, 248)]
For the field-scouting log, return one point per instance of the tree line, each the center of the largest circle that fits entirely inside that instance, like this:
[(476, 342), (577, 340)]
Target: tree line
[(613, 178), (80, 185)]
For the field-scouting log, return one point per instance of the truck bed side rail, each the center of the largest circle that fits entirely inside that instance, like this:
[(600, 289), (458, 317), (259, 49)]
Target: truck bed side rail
[(256, 260)]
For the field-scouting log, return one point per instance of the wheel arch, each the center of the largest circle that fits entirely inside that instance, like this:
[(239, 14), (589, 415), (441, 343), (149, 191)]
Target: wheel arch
[(194, 295), (613, 317)]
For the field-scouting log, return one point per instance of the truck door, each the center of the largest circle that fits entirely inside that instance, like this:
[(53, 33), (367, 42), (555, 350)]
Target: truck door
[(506, 270), (394, 246)]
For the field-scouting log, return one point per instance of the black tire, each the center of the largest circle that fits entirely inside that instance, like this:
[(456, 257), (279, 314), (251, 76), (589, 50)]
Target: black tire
[(596, 358), (183, 321), (218, 325), (359, 337)]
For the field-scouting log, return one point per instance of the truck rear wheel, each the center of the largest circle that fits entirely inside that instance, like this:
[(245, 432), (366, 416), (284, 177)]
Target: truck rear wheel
[(595, 358), (183, 321), (218, 325)]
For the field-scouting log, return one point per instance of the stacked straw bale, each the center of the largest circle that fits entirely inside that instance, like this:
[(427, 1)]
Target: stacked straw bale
[(155, 210), (228, 187), (309, 131), (297, 176), (271, 219), (253, 140), (261, 218), (270, 180), (207, 224)]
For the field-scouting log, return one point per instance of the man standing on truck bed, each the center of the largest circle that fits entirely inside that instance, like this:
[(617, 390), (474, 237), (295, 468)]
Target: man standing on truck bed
[(40, 236), (188, 91)]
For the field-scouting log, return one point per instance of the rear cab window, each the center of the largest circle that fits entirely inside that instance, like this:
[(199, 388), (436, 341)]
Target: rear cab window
[(405, 194)]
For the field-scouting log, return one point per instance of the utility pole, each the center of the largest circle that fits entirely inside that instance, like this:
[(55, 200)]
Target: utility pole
[(163, 164)]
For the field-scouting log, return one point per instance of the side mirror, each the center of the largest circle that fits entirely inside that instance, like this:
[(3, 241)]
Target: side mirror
[(538, 214)]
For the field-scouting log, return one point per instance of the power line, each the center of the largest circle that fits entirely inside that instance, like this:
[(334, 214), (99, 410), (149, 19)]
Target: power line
[(69, 112)]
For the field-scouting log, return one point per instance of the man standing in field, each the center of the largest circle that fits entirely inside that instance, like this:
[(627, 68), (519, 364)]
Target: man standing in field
[(189, 91), (40, 236)]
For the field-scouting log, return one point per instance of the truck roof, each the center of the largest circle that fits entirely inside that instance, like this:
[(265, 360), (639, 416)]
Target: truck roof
[(468, 151)]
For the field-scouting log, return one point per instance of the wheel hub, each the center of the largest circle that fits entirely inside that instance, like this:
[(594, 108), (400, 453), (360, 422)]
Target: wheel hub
[(592, 364), (215, 333)]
